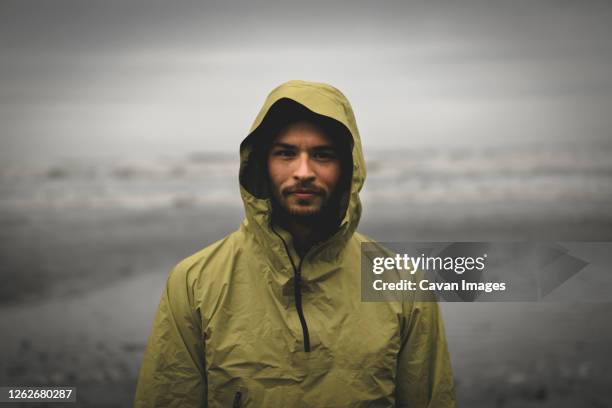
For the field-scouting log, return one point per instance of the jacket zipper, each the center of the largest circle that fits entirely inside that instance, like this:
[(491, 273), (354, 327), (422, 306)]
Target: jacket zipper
[(297, 286), (298, 304), (237, 398)]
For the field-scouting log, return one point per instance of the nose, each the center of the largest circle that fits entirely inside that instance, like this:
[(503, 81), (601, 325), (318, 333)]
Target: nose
[(303, 171)]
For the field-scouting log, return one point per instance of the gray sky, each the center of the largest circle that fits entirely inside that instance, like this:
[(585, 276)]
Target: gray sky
[(138, 78)]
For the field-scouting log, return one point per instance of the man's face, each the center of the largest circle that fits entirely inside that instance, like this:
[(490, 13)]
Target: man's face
[(304, 169)]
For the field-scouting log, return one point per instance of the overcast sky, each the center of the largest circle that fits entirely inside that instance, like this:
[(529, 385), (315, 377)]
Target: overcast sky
[(134, 78)]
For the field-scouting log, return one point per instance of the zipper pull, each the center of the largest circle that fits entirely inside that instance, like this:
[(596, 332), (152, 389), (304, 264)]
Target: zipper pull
[(237, 398)]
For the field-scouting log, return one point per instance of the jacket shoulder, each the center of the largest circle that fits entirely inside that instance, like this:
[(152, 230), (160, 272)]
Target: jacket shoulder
[(361, 238), (208, 250), (373, 249), (200, 278), (192, 266)]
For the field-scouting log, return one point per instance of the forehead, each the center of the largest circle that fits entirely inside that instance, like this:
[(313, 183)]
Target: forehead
[(304, 132)]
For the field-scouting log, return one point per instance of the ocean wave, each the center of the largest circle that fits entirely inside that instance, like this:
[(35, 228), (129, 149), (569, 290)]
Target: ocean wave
[(413, 176)]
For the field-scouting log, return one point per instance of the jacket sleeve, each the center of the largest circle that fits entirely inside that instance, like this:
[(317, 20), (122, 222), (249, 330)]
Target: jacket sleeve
[(172, 373), (425, 377)]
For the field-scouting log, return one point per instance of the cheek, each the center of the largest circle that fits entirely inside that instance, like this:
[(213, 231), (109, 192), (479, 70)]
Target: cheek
[(330, 175), (277, 173)]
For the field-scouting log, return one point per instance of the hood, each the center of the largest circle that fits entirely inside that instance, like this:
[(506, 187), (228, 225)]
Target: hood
[(299, 99)]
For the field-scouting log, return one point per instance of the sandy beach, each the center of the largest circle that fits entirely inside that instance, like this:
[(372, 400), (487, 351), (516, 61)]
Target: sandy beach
[(89, 283)]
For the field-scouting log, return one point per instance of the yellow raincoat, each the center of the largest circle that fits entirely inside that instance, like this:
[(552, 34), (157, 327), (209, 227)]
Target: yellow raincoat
[(246, 323)]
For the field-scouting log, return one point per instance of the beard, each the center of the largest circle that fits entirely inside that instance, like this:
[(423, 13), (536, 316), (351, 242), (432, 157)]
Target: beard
[(325, 218)]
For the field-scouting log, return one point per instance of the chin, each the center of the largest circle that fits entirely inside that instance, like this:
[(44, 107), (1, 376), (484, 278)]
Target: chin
[(303, 207), (304, 210)]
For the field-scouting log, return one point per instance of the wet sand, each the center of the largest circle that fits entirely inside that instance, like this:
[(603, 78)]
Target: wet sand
[(79, 290)]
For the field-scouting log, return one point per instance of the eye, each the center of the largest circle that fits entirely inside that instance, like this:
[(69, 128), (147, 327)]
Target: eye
[(284, 153), (324, 155)]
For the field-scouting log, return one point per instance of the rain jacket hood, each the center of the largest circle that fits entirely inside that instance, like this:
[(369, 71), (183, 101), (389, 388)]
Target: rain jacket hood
[(291, 101), (246, 322)]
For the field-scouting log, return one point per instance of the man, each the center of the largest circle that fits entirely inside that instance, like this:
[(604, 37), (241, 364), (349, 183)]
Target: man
[(271, 315)]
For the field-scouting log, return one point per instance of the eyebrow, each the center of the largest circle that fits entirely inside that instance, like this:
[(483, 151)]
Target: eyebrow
[(290, 146), (283, 145)]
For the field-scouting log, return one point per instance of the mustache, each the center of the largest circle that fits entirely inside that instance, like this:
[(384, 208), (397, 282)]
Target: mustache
[(303, 189)]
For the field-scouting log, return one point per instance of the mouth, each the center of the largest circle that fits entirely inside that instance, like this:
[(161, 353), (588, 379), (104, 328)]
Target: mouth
[(303, 193)]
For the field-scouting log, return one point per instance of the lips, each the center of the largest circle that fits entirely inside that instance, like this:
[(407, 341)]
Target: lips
[(303, 193), (304, 196)]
